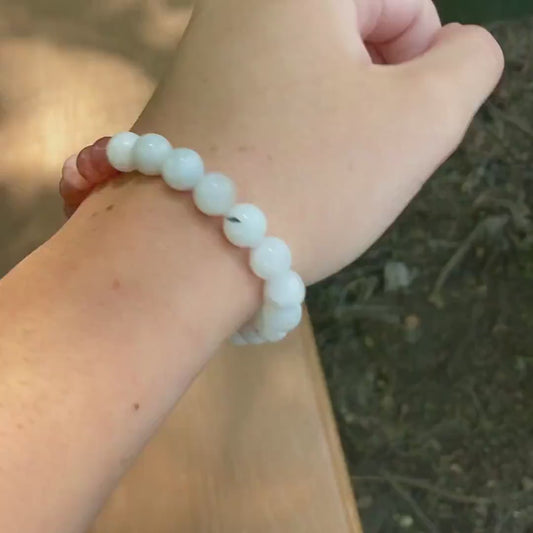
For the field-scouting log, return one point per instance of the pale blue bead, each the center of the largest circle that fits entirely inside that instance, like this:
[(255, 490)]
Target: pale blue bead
[(150, 152), (275, 336), (245, 225), (182, 169), (271, 258), (237, 340), (120, 151), (285, 289), (269, 333), (214, 194), (250, 334), (281, 318)]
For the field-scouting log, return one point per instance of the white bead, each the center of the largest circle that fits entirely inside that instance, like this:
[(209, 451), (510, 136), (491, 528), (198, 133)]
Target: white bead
[(150, 152), (268, 333), (281, 318), (245, 225), (249, 333), (271, 258), (182, 169), (120, 151), (214, 194), (237, 340), (276, 336), (285, 289)]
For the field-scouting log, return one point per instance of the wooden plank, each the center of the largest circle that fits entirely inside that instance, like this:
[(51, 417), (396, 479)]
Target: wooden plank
[(253, 446)]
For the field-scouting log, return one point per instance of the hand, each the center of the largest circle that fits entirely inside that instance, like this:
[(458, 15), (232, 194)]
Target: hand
[(289, 99)]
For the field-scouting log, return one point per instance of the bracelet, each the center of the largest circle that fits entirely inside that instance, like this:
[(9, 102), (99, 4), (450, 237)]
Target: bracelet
[(214, 194)]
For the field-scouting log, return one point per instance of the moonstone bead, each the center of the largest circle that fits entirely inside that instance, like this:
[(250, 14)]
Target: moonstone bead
[(214, 194), (237, 340), (182, 169), (271, 258), (268, 333), (281, 318), (245, 225), (120, 151), (150, 152), (250, 335), (285, 289)]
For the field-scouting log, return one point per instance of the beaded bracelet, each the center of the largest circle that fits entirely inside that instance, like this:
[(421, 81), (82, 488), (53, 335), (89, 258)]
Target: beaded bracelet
[(214, 194)]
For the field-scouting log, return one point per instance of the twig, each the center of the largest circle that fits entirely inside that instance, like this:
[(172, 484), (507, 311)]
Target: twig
[(411, 502), (456, 259), (424, 485), (490, 225)]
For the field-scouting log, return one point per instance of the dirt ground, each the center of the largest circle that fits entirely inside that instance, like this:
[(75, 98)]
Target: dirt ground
[(427, 341)]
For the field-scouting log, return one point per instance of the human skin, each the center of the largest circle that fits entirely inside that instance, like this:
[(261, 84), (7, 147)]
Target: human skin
[(331, 137)]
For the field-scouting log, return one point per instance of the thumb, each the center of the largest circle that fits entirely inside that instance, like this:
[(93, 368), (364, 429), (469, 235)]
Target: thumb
[(455, 76)]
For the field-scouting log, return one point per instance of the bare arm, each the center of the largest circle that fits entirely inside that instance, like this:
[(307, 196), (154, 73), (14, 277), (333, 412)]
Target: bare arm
[(103, 328)]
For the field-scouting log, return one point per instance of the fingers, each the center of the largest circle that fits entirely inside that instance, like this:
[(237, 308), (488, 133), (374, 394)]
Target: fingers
[(455, 76), (397, 30)]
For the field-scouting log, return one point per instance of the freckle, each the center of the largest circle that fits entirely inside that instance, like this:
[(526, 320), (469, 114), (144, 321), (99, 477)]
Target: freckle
[(20, 426), (110, 207), (94, 214), (269, 157), (213, 148), (244, 148), (116, 284), (136, 406)]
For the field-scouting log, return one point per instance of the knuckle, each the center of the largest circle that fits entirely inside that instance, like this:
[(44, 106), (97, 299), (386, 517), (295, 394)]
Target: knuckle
[(489, 51)]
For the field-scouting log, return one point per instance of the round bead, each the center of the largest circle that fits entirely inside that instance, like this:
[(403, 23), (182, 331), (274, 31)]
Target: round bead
[(72, 181), (271, 258), (120, 151), (100, 162), (275, 336), (285, 289), (182, 169), (250, 335), (150, 152), (237, 340), (245, 225), (85, 166), (268, 333), (214, 194), (281, 318)]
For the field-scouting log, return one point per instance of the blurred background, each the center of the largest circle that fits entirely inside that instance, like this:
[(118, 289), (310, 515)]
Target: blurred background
[(426, 341)]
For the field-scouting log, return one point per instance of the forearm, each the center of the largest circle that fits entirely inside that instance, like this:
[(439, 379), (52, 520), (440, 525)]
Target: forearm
[(97, 342)]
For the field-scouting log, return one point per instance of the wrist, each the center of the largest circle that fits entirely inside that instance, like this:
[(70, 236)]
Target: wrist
[(164, 268)]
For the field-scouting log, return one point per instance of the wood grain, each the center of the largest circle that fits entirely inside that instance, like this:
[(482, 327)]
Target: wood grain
[(253, 446)]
